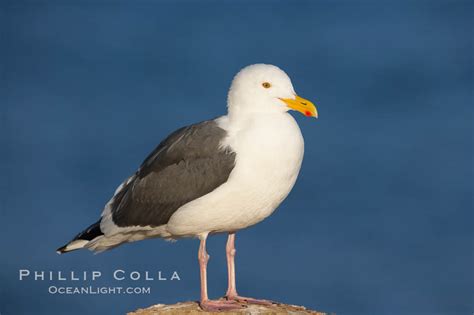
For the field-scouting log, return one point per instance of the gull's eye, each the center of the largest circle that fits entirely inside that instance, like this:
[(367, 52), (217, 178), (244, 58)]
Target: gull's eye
[(266, 85)]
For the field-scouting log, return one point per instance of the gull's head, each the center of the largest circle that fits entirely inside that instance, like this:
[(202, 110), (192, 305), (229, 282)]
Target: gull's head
[(262, 88)]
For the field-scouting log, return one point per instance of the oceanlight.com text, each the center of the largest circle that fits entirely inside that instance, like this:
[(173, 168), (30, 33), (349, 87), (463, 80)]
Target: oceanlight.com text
[(97, 290)]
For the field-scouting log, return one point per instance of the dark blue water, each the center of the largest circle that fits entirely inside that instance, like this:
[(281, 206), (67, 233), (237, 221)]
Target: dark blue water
[(381, 218)]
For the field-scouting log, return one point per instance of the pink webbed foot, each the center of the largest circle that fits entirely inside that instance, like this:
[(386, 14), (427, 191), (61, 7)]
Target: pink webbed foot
[(220, 305), (248, 300)]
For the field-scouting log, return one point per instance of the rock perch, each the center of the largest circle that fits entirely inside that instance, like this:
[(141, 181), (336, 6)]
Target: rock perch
[(191, 308)]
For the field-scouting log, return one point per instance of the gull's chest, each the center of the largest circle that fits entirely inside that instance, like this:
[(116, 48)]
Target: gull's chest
[(270, 152)]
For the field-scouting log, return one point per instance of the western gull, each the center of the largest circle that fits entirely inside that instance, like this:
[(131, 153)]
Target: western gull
[(216, 176)]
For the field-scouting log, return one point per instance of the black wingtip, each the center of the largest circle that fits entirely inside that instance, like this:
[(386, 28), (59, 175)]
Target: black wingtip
[(61, 250), (88, 234)]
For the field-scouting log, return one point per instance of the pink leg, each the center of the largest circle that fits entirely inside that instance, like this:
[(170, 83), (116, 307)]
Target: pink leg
[(205, 303), (231, 293), (230, 253)]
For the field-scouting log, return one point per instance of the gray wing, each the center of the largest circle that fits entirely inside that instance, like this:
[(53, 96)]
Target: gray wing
[(187, 165)]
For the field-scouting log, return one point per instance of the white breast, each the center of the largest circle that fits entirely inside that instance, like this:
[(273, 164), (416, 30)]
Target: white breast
[(269, 154)]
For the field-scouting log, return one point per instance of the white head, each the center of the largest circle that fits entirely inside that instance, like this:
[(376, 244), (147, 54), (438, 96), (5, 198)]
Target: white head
[(262, 88)]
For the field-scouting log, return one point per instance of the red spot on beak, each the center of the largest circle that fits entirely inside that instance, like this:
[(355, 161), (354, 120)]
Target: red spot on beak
[(307, 113)]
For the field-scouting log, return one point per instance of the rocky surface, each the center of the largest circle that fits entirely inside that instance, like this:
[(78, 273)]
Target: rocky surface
[(193, 308)]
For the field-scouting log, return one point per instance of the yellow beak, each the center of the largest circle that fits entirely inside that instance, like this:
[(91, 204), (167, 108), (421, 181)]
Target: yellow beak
[(302, 105)]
